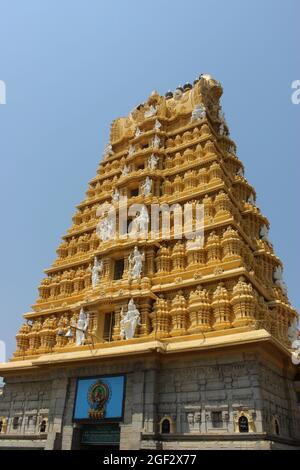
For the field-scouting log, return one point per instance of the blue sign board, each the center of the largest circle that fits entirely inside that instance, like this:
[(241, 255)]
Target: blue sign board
[(99, 398)]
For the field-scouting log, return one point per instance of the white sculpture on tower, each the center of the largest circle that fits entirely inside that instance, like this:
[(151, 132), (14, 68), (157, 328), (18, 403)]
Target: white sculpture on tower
[(96, 271), (278, 279), (105, 229), (222, 129), (135, 260), (198, 112), (240, 172), (147, 186), (116, 195), (156, 142), (125, 170), (264, 233), (131, 150), (293, 330), (150, 112), (153, 161), (129, 321), (251, 200), (157, 125), (108, 151), (140, 223), (81, 327), (138, 132), (178, 94)]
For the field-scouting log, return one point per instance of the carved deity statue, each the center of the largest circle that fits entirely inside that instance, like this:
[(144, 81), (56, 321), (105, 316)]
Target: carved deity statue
[(177, 94), (136, 259), (81, 327), (293, 330), (141, 222), (198, 112), (138, 132), (105, 228), (125, 170), (147, 186), (153, 161), (150, 112), (129, 321), (131, 150), (222, 129), (157, 125), (96, 271), (251, 200), (156, 142), (264, 233), (278, 279), (108, 151), (116, 195)]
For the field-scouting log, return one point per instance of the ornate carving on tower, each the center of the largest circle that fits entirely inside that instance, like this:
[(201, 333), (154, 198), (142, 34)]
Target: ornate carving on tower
[(222, 313), (231, 244), (171, 150), (243, 303), (199, 311), (178, 315)]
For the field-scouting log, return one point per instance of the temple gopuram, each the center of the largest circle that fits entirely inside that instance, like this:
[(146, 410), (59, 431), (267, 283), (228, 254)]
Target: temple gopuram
[(164, 321)]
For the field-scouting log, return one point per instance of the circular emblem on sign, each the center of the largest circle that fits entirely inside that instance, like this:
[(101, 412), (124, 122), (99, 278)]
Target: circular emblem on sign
[(98, 396)]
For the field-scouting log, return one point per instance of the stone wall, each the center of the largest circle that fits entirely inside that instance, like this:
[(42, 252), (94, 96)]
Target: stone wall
[(190, 391)]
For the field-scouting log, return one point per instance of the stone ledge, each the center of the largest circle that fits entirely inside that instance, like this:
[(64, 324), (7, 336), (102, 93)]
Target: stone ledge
[(134, 348)]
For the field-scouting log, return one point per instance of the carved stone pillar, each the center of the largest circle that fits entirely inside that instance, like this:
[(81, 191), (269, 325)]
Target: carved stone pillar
[(160, 318), (116, 329), (179, 315), (243, 303), (149, 262), (221, 308), (145, 308)]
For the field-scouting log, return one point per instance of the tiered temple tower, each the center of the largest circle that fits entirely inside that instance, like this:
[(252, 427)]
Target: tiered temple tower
[(110, 296), (181, 146)]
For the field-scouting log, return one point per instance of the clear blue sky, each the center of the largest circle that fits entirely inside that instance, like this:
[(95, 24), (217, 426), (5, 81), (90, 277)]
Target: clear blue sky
[(71, 67)]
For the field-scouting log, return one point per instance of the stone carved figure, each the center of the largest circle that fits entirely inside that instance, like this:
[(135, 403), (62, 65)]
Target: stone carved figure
[(278, 279), (116, 195), (96, 271), (138, 132), (264, 233), (177, 94), (81, 327), (240, 172), (251, 200), (198, 112), (222, 129), (147, 186), (153, 161), (129, 321), (150, 112), (105, 229), (156, 142), (136, 259), (131, 150), (293, 330), (108, 151), (141, 222), (125, 170), (157, 125)]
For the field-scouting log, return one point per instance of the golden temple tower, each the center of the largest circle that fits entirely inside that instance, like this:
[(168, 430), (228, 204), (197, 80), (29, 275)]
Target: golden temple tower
[(181, 145), (114, 293)]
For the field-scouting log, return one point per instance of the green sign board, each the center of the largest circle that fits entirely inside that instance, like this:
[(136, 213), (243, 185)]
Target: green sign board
[(104, 434)]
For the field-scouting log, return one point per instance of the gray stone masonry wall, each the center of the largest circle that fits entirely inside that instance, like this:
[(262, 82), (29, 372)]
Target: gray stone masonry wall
[(190, 390)]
